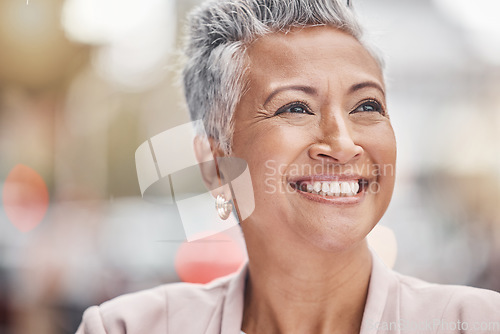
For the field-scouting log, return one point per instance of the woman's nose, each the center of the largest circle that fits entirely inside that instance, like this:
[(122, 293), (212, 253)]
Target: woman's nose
[(336, 145)]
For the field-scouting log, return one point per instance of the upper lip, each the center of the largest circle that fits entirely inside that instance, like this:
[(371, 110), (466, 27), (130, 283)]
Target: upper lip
[(328, 177)]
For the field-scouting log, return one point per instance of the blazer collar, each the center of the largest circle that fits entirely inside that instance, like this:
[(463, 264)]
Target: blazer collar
[(232, 310), (382, 299)]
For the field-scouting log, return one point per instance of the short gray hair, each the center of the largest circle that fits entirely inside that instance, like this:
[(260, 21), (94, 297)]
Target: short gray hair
[(219, 32)]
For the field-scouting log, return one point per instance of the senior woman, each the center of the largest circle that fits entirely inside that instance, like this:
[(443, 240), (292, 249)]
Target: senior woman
[(293, 83)]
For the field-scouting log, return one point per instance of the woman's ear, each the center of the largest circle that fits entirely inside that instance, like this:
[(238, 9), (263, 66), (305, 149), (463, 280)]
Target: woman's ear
[(207, 151)]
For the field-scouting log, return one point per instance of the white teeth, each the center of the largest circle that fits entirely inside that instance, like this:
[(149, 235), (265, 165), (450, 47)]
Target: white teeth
[(354, 187), (345, 188), (333, 188), (317, 187)]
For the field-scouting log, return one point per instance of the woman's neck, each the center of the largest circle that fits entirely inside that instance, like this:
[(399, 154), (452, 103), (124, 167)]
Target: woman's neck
[(305, 291)]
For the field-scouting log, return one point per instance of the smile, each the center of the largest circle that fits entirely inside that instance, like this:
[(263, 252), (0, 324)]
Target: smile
[(331, 187)]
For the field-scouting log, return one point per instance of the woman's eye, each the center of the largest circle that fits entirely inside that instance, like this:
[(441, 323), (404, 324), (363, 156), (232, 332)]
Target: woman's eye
[(294, 108), (369, 106)]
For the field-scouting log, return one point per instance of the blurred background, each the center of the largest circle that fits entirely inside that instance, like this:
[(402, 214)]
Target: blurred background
[(84, 82)]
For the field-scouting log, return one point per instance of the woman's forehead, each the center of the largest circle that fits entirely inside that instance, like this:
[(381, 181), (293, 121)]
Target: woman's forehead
[(312, 54)]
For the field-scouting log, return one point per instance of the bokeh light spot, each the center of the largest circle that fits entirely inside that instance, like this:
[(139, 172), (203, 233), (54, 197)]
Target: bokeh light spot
[(25, 198), (206, 259)]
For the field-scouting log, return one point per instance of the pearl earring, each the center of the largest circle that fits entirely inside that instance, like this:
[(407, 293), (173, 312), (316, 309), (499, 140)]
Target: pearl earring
[(223, 207)]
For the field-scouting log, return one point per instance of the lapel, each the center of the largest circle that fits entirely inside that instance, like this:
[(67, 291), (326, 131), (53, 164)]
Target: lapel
[(232, 308), (215, 308), (382, 304)]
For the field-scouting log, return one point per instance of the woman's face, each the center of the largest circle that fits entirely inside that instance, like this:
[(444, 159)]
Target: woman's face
[(314, 130)]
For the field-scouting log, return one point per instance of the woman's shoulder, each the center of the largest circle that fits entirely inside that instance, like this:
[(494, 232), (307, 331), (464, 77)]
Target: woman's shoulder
[(454, 301), (148, 311)]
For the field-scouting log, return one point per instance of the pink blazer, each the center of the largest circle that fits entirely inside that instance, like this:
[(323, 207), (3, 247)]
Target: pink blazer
[(395, 304)]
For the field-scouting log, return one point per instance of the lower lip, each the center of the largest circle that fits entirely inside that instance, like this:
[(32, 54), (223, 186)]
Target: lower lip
[(335, 200)]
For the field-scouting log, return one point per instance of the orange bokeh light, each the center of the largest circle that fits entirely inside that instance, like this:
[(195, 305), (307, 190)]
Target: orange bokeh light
[(25, 198), (206, 259)]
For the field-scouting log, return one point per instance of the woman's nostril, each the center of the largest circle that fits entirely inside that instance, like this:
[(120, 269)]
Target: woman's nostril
[(335, 153)]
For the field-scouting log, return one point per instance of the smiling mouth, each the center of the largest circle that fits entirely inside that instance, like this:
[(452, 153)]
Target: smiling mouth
[(347, 188)]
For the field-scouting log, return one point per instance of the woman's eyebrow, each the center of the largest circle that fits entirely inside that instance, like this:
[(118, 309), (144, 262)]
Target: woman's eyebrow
[(312, 91), (366, 84), (306, 89)]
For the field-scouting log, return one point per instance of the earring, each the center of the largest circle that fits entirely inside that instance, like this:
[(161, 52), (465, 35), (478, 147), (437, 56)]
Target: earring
[(223, 207)]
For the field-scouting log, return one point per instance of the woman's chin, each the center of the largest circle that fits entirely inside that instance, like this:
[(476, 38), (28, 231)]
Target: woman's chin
[(336, 240)]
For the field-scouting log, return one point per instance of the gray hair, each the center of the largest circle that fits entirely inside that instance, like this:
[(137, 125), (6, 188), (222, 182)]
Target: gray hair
[(220, 31)]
